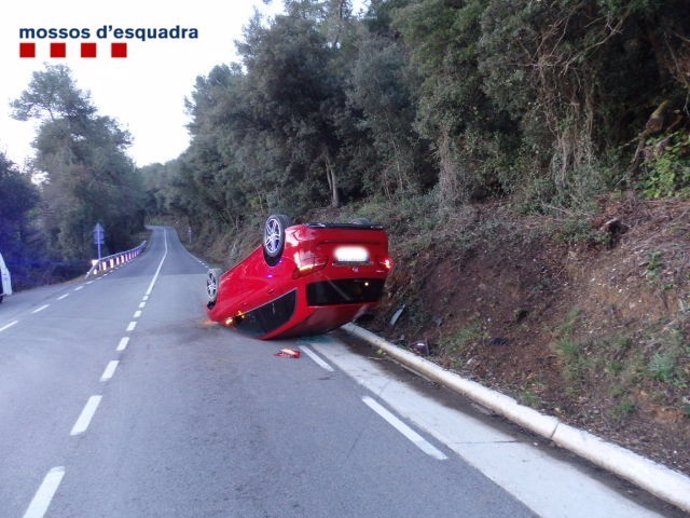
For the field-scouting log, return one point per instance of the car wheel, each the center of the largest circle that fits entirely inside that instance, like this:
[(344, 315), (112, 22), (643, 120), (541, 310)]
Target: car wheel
[(1, 296), (361, 221), (212, 285), (274, 237)]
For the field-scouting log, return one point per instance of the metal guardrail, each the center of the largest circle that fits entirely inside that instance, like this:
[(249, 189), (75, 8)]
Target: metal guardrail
[(107, 263)]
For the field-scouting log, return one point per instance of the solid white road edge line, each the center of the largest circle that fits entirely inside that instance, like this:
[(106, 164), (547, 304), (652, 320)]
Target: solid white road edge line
[(45, 493), (131, 326), (317, 359), (38, 310), (7, 326), (109, 370), (193, 256), (123, 344), (408, 432), (62, 297), (86, 415), (160, 265)]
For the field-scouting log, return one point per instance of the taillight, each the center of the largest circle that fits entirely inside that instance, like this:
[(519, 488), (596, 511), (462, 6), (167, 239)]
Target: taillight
[(308, 262)]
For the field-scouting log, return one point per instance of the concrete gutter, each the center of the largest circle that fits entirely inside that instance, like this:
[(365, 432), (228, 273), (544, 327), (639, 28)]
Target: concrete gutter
[(661, 481)]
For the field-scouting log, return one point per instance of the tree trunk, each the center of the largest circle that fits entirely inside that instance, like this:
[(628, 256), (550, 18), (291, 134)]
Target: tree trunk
[(333, 182)]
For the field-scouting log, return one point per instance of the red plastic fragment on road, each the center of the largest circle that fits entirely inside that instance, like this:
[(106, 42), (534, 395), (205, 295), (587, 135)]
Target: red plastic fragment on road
[(288, 353)]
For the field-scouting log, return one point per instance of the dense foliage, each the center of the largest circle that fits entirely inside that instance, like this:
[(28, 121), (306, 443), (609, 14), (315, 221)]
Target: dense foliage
[(549, 102), (90, 178), (18, 197)]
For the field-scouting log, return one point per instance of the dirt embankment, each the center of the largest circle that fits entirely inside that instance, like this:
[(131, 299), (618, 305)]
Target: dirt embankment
[(587, 320)]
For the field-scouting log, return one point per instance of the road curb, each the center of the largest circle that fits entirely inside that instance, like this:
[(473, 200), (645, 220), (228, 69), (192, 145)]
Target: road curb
[(661, 481)]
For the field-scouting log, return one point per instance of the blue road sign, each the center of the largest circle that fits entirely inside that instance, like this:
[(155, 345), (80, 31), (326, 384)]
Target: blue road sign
[(98, 234), (99, 237)]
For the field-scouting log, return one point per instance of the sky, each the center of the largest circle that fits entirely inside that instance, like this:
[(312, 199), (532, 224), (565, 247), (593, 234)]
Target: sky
[(145, 91)]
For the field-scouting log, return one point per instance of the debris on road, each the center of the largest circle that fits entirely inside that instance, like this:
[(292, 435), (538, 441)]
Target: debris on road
[(288, 353)]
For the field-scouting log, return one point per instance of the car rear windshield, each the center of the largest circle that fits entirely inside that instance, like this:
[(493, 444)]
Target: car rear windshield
[(344, 291)]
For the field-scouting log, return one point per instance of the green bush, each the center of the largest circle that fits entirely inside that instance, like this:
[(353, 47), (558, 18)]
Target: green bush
[(668, 167), (662, 366)]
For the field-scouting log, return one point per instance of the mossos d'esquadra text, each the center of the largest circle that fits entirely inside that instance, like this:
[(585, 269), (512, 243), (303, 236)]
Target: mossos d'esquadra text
[(176, 32)]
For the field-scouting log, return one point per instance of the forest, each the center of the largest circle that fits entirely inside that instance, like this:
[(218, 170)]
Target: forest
[(428, 104), (84, 176), (547, 104)]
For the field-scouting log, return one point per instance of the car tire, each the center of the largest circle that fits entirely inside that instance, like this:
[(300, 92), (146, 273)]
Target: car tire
[(212, 285), (274, 237), (1, 296), (361, 221)]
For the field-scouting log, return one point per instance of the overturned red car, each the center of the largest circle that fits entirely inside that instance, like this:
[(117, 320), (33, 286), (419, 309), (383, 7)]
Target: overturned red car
[(303, 279)]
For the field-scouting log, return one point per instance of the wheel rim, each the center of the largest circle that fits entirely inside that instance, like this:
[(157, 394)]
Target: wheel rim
[(272, 237), (211, 287)]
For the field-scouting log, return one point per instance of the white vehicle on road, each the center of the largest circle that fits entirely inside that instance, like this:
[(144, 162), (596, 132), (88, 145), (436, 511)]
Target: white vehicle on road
[(5, 280)]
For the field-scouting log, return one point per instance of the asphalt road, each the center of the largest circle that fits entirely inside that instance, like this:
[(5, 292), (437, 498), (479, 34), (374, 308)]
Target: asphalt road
[(119, 399)]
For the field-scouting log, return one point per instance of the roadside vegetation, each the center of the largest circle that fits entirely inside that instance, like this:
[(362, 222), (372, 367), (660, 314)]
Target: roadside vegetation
[(81, 176)]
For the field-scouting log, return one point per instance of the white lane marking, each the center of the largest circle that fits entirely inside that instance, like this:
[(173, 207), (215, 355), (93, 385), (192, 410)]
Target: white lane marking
[(549, 487), (131, 326), (160, 265), (62, 297), (137, 314), (317, 359), (145, 298), (123, 343), (86, 415), (7, 326), (38, 310), (408, 432), (90, 282), (78, 288), (109, 370), (142, 304), (45, 493)]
